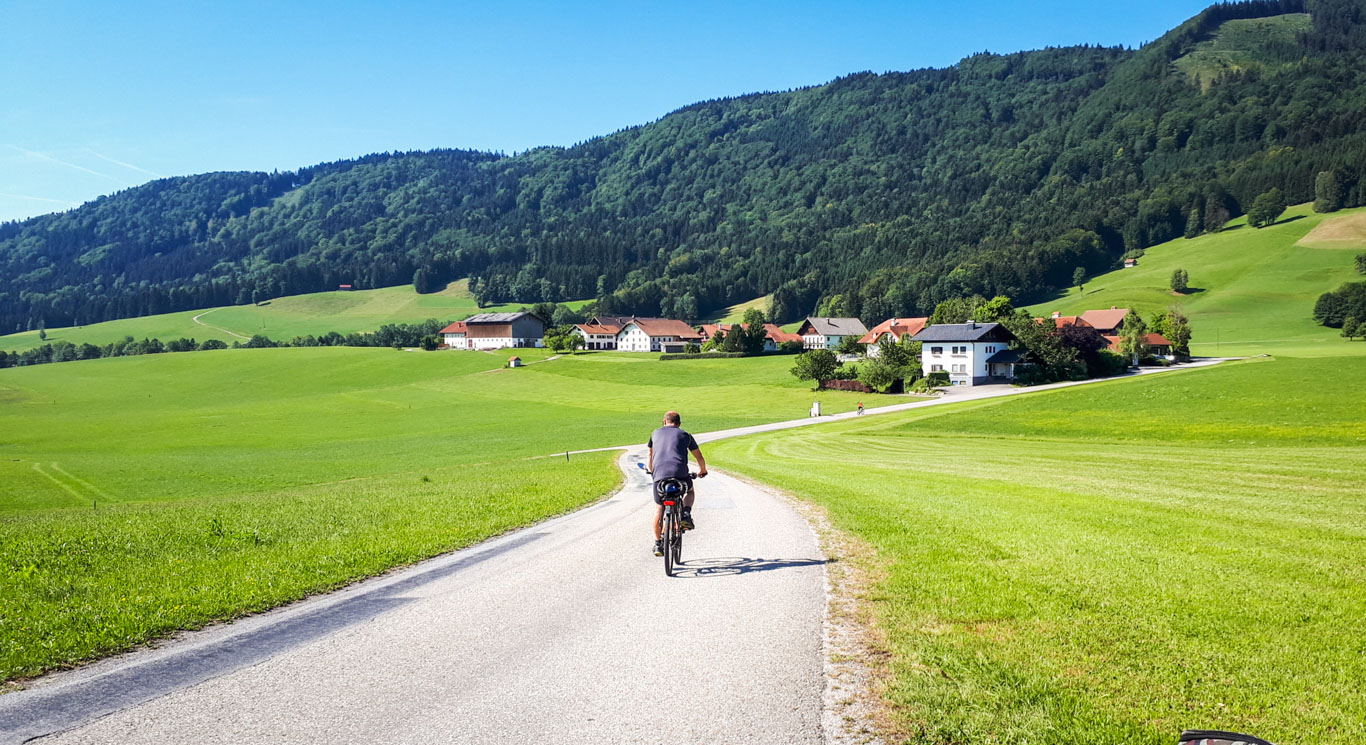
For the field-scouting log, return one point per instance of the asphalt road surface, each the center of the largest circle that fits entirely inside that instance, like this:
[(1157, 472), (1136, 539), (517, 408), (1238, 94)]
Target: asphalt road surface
[(566, 632)]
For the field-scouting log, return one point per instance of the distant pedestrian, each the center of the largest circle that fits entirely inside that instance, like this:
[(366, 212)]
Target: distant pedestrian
[(860, 408)]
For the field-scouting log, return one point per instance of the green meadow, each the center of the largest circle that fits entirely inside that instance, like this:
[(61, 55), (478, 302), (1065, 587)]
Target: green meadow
[(1253, 290), (280, 319), (142, 495), (1110, 563)]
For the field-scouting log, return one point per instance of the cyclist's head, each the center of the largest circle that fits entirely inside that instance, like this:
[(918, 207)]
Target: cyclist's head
[(671, 417)]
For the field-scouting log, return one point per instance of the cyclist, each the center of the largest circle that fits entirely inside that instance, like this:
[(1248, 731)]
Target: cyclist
[(669, 447)]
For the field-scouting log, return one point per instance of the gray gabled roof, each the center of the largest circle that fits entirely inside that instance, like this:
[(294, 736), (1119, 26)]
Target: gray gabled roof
[(496, 317), (1006, 356), (837, 326), (962, 332)]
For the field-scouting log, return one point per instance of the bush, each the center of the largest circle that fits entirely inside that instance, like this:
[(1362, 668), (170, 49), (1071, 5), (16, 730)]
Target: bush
[(1110, 364), (796, 347), (208, 344), (702, 356), (937, 379)]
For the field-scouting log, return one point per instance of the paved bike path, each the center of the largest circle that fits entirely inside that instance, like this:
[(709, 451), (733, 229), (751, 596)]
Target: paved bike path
[(568, 632)]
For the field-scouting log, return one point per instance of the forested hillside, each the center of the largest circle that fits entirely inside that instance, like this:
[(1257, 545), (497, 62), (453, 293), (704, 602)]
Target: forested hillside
[(872, 195)]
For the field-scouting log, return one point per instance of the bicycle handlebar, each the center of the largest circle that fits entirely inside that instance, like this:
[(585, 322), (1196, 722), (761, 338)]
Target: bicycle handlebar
[(692, 475)]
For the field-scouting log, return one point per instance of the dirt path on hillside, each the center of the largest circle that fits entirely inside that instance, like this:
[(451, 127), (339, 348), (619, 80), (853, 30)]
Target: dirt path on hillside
[(217, 328)]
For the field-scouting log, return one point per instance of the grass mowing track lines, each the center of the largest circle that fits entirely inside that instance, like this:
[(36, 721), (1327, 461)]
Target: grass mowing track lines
[(236, 480), (1118, 579)]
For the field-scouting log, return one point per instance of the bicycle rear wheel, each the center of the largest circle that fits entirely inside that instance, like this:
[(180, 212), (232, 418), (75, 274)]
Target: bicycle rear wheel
[(678, 546), (669, 539)]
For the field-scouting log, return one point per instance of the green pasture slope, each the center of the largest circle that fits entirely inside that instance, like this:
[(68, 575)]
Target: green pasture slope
[(280, 319), (1111, 563), (1253, 289), (141, 495)]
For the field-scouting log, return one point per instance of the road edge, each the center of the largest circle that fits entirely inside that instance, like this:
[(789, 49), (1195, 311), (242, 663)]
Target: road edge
[(856, 653)]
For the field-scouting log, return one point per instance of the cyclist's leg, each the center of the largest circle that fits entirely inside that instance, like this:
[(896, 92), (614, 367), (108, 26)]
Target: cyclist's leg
[(659, 519)]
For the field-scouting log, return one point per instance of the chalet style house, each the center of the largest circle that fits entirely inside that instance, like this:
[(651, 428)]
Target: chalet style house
[(600, 332), (971, 353), (827, 333), (495, 331), (893, 329)]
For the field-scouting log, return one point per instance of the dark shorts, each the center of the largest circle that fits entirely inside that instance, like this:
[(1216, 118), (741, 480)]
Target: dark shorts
[(659, 490)]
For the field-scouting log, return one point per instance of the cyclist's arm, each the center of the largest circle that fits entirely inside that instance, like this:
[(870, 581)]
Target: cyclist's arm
[(701, 462), (650, 461)]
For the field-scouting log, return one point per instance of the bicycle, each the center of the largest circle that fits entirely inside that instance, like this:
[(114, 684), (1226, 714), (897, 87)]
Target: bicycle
[(674, 492)]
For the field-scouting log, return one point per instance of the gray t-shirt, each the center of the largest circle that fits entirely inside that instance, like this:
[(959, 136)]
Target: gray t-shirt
[(671, 447)]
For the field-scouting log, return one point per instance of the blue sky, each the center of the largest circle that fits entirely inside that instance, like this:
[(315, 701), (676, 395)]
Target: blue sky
[(98, 97)]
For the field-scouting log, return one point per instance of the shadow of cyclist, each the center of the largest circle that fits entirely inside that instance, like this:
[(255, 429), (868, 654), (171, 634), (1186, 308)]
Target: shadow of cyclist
[(730, 565)]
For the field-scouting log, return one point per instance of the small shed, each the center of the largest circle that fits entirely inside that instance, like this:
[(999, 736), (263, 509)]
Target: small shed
[(514, 362)]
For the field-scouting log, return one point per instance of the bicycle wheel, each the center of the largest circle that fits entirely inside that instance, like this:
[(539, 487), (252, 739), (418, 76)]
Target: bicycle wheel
[(669, 538), (678, 545)]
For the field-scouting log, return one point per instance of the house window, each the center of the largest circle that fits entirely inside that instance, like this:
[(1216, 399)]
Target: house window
[(960, 350), (989, 350), (936, 368), (960, 368), (936, 350)]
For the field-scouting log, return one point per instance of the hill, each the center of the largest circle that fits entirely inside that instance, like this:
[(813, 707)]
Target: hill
[(280, 319), (1252, 291), (870, 195)]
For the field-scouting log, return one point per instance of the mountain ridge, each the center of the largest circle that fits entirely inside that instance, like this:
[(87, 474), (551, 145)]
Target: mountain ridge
[(870, 195)]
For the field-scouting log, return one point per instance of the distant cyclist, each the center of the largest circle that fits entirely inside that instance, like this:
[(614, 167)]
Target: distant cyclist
[(669, 447)]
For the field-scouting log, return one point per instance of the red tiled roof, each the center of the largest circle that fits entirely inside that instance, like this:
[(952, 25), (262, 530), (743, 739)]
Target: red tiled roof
[(1105, 320), (666, 327), (1154, 340), (779, 336), (589, 328), (455, 328), (1061, 321), (897, 327), (771, 330)]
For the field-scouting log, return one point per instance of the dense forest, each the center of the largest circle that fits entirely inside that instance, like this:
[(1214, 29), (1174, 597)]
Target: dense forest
[(871, 195)]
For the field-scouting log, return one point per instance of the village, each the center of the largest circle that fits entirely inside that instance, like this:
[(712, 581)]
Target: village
[(966, 354)]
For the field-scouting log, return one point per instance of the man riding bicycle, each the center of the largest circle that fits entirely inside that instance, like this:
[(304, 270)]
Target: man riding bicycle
[(669, 447)]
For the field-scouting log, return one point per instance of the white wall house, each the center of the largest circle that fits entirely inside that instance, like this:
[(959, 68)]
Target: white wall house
[(453, 336), (965, 351), (656, 335), (597, 336), (827, 333)]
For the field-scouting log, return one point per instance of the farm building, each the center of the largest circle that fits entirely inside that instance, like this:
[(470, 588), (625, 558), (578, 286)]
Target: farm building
[(453, 336), (827, 333), (501, 330), (656, 335), (894, 329), (1107, 322), (600, 332), (773, 336)]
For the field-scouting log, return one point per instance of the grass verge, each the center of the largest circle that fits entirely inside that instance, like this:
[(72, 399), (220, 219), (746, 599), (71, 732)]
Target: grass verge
[(1107, 582)]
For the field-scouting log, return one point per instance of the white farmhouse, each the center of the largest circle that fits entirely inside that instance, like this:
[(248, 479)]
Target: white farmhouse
[(454, 336), (827, 333), (971, 353), (656, 335)]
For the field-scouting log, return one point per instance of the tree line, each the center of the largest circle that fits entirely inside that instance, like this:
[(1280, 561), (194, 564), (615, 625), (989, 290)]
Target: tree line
[(869, 196)]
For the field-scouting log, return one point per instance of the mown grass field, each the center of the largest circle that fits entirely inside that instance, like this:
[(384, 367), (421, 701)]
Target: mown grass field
[(141, 495), (280, 319), (1111, 563), (1255, 289)]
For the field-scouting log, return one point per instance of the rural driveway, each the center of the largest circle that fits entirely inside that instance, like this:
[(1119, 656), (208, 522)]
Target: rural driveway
[(566, 632)]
